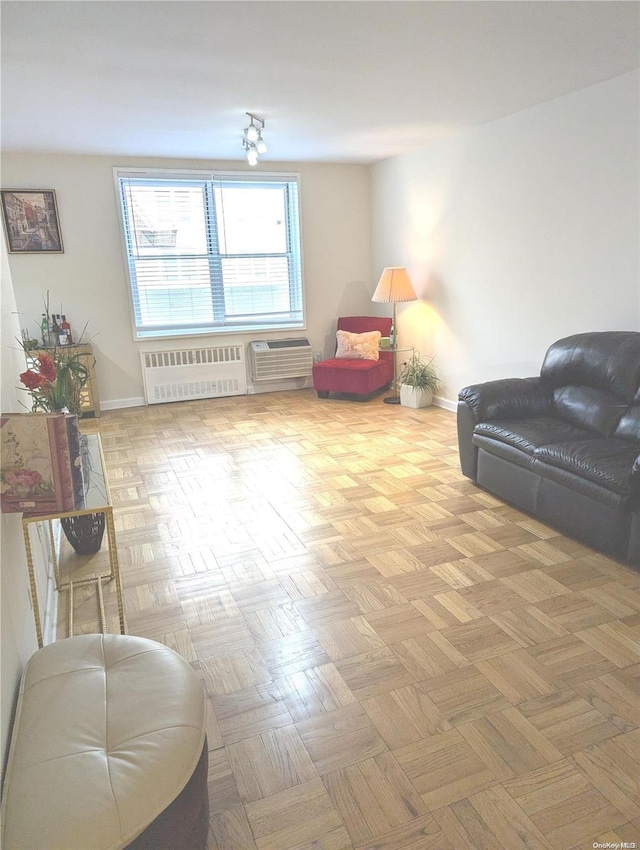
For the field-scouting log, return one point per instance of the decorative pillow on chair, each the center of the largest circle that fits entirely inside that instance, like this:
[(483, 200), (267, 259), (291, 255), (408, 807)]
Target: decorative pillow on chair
[(358, 346)]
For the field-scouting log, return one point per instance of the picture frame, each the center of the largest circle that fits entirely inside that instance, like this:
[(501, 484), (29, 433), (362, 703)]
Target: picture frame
[(31, 223)]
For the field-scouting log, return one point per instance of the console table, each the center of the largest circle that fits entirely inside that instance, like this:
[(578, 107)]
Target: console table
[(97, 499)]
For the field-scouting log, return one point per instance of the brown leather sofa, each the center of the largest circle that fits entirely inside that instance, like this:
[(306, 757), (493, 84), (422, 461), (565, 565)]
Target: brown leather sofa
[(565, 446)]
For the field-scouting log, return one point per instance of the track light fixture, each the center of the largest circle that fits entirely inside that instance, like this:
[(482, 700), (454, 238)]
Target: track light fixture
[(252, 140)]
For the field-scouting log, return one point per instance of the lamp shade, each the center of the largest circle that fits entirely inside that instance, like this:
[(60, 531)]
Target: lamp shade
[(394, 286)]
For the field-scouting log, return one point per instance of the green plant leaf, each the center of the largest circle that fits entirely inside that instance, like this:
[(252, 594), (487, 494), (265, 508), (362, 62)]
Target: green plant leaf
[(419, 373)]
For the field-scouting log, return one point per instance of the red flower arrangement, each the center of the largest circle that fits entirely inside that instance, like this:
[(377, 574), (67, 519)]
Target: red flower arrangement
[(55, 382), (32, 380), (46, 373)]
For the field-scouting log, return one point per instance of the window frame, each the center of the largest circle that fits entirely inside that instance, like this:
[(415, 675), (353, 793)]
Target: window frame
[(294, 228)]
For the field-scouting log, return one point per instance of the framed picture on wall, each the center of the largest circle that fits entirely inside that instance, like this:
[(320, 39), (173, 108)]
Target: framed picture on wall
[(31, 222)]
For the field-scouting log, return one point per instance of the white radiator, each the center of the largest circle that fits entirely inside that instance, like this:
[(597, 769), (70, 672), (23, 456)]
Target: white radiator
[(276, 359), (193, 373)]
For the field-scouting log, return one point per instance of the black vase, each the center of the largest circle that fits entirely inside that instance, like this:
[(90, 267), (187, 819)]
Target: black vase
[(84, 532)]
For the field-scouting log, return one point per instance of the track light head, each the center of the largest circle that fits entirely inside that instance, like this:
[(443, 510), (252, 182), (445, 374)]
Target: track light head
[(252, 140)]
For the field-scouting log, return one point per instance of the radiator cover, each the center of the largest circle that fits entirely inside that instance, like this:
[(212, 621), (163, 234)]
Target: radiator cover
[(193, 373)]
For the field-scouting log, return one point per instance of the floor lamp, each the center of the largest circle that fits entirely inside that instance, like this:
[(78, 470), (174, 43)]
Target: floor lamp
[(394, 286)]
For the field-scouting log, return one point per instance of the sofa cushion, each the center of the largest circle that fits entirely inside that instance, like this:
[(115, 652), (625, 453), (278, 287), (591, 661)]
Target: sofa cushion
[(350, 364), (362, 324), (528, 434), (353, 376), (504, 450), (590, 408), (607, 462), (608, 361), (629, 425), (507, 398)]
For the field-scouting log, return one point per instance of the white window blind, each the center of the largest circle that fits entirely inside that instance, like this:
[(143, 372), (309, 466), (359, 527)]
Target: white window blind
[(212, 253)]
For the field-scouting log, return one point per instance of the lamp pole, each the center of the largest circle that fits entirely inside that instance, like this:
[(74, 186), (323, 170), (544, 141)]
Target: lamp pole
[(395, 397), (394, 285)]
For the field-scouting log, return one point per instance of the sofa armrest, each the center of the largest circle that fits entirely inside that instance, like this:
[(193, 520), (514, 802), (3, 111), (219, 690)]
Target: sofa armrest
[(509, 398), (468, 452)]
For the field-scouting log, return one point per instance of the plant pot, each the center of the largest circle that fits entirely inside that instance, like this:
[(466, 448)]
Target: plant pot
[(84, 532), (415, 397)]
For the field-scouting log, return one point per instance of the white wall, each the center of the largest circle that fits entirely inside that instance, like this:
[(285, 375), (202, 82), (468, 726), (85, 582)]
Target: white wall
[(18, 636), (517, 233), (90, 281)]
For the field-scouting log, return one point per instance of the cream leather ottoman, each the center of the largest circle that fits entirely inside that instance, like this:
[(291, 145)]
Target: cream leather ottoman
[(108, 750)]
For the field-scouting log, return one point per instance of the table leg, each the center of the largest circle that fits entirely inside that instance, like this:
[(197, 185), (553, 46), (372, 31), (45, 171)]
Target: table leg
[(114, 565), (103, 618), (32, 582), (54, 554), (70, 611)]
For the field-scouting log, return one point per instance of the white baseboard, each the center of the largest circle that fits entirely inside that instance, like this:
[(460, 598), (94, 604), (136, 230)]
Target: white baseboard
[(446, 403), (257, 389), (252, 389)]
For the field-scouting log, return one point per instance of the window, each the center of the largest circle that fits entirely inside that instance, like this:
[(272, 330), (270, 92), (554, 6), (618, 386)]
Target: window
[(211, 253)]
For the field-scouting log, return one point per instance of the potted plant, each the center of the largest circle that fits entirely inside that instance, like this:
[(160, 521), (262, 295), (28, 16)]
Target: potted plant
[(418, 381)]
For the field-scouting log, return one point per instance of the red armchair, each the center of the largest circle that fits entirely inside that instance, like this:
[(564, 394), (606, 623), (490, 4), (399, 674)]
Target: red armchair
[(355, 377)]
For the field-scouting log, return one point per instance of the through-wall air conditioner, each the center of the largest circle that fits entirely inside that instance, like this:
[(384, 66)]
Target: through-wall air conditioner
[(273, 360)]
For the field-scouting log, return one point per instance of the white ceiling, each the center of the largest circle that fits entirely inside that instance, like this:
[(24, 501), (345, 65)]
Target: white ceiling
[(334, 80)]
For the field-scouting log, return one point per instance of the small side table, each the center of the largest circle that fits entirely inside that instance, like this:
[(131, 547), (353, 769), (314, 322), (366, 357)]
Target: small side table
[(97, 499), (395, 350)]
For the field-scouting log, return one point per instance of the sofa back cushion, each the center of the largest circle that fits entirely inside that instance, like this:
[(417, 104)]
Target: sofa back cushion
[(629, 425), (594, 378), (606, 360), (364, 324), (589, 408)]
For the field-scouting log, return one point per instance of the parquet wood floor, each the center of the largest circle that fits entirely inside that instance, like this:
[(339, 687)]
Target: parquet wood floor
[(393, 658)]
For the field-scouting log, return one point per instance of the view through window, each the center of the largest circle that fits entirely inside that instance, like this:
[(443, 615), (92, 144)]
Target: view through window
[(207, 254)]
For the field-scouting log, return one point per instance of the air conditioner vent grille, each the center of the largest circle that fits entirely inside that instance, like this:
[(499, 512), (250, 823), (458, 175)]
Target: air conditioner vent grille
[(269, 363)]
